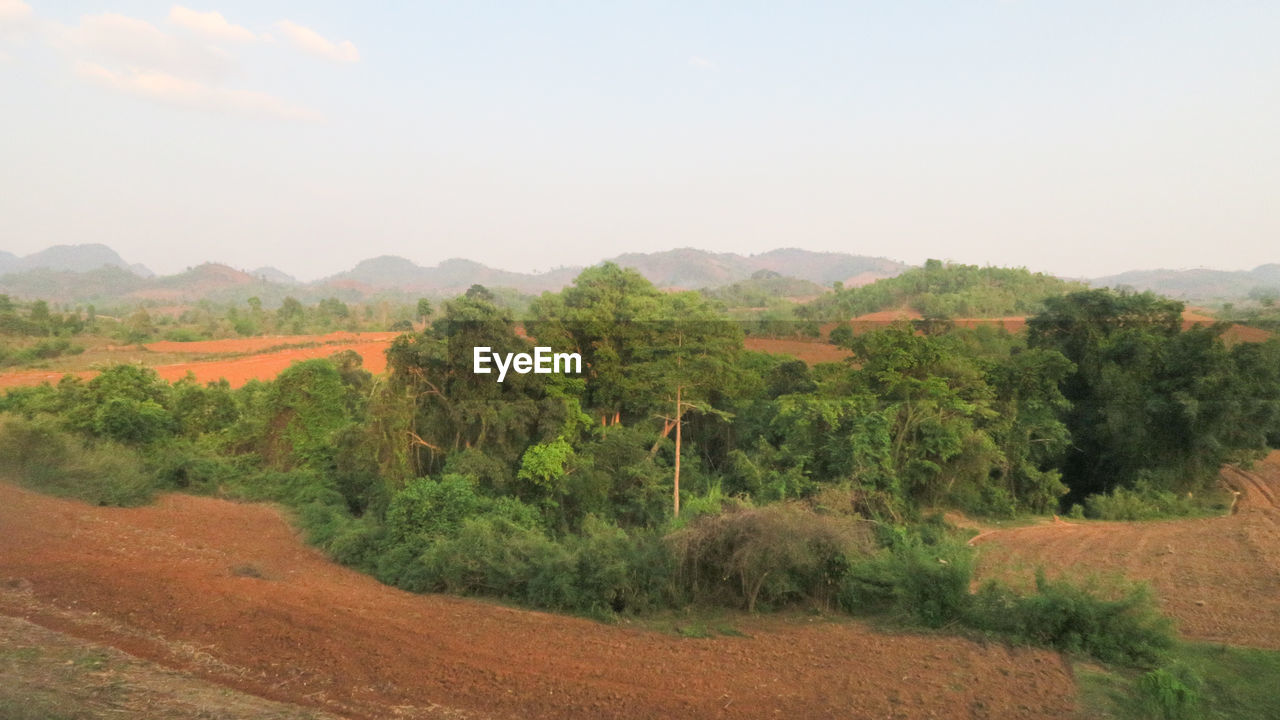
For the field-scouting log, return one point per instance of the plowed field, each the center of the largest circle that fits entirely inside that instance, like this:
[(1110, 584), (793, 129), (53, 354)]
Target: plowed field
[(226, 592), (247, 361), (1218, 577)]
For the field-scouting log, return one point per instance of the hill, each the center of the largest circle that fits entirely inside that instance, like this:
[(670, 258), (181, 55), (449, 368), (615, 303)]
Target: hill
[(96, 274), (69, 258), (946, 291), (1200, 285)]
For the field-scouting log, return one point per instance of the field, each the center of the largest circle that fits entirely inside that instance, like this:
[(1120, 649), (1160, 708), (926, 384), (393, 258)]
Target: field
[(238, 360), (1218, 577), (228, 593)]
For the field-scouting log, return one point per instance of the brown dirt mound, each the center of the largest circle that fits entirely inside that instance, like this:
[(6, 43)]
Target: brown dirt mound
[(1218, 577), (172, 583)]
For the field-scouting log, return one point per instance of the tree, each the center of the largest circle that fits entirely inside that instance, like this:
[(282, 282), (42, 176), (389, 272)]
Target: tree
[(690, 349)]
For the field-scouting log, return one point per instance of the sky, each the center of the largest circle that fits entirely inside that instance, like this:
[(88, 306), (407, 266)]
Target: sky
[(1081, 138)]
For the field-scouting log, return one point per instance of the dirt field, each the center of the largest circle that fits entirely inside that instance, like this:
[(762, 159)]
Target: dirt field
[(227, 593), (810, 351), (52, 675), (1218, 577), (238, 360)]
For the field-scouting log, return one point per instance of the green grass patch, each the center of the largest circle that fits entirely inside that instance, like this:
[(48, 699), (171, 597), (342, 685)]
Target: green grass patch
[(1195, 682)]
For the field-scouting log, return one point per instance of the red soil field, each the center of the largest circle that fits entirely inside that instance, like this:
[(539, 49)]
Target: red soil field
[(227, 592), (264, 342), (810, 351), (1218, 577), (238, 370)]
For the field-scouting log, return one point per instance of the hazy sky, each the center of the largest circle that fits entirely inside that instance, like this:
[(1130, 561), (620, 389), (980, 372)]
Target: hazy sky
[(1081, 137)]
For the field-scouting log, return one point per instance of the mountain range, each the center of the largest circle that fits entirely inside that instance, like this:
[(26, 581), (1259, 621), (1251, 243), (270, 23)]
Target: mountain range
[(95, 273)]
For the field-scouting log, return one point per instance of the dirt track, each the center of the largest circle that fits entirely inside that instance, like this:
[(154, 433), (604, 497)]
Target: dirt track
[(1218, 577), (173, 583)]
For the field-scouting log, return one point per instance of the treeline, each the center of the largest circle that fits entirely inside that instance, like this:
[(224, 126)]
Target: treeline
[(34, 331), (681, 468)]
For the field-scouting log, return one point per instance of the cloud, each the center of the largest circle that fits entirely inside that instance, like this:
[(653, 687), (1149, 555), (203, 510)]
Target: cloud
[(114, 39), (310, 41), (211, 25), (14, 14), (701, 63), (186, 93)]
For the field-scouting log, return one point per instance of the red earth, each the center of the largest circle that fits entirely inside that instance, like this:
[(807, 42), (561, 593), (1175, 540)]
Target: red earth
[(227, 592), (1218, 577), (239, 370)]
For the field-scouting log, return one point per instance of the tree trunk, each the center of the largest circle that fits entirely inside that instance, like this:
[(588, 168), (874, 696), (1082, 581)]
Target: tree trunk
[(676, 490)]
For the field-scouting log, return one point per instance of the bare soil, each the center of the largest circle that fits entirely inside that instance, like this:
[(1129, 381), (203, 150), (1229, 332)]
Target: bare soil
[(247, 361), (1218, 577), (50, 675), (227, 593)]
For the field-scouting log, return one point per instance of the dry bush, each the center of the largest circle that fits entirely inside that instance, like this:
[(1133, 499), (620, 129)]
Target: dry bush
[(774, 555)]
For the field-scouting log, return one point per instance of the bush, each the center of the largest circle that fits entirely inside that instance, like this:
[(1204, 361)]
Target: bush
[(1141, 503), (927, 582), (43, 457), (775, 555), (1128, 629), (1168, 695)]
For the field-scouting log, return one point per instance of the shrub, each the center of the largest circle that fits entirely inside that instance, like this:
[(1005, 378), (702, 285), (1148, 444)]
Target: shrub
[(1128, 629), (41, 456), (775, 555), (1141, 503), (925, 582), (1168, 695)]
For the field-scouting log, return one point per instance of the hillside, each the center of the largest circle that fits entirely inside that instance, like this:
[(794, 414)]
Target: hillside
[(1200, 285), (946, 290), (69, 258)]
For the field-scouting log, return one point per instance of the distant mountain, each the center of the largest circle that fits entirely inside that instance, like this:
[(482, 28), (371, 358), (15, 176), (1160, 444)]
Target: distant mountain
[(1199, 285), (71, 258), (95, 273), (271, 274), (825, 268), (696, 269), (390, 272), (8, 262)]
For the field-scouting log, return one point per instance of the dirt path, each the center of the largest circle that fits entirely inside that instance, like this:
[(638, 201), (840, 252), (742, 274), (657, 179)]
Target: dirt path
[(1219, 577), (174, 583)]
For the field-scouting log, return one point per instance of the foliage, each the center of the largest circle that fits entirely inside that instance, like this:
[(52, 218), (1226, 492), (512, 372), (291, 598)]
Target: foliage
[(941, 290), (773, 556), (1128, 629), (38, 454)]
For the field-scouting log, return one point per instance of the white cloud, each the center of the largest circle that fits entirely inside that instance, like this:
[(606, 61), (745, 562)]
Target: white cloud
[(310, 41), (209, 24), (183, 92), (114, 39), (14, 14)]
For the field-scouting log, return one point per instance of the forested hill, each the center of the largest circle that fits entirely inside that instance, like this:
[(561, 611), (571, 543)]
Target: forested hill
[(946, 291)]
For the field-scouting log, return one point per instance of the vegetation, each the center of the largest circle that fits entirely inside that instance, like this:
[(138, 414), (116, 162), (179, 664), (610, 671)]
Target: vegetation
[(681, 469), (942, 290), (1198, 681)]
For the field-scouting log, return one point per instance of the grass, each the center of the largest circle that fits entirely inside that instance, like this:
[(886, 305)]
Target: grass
[(1231, 683)]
